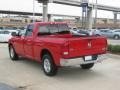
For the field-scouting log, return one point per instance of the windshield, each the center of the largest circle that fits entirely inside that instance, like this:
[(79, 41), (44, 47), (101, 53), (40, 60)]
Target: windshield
[(54, 29)]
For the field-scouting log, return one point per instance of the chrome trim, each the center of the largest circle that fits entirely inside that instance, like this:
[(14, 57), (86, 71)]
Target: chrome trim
[(78, 61)]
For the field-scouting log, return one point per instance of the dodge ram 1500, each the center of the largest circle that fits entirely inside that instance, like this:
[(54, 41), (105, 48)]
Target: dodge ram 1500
[(52, 44)]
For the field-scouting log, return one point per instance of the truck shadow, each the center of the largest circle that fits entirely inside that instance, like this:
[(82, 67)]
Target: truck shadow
[(68, 73), (78, 73)]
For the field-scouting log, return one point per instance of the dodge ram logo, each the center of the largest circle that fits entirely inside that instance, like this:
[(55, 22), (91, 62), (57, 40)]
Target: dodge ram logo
[(89, 45)]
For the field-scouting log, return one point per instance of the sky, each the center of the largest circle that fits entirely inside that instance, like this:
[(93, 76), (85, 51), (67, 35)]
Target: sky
[(27, 5)]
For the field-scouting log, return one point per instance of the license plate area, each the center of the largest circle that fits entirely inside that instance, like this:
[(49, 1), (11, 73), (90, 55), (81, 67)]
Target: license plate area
[(88, 58)]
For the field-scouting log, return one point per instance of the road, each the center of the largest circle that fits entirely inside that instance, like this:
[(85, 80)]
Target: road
[(28, 75)]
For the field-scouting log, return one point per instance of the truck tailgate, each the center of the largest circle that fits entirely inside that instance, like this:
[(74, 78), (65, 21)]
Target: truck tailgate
[(85, 46)]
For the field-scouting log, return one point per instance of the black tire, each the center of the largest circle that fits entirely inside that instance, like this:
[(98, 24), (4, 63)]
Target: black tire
[(51, 67), (116, 37), (13, 54), (87, 66)]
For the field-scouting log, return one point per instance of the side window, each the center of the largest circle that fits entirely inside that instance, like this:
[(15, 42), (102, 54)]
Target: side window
[(29, 30), (117, 31)]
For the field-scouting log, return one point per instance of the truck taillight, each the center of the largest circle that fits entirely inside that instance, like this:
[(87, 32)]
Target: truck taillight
[(65, 53), (65, 49)]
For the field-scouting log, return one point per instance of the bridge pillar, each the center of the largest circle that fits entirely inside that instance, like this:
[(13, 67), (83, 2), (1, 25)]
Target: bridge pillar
[(89, 18), (50, 18), (45, 11), (115, 20)]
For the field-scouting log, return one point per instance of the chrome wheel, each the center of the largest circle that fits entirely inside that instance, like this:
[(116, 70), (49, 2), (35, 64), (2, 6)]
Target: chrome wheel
[(49, 68), (47, 65)]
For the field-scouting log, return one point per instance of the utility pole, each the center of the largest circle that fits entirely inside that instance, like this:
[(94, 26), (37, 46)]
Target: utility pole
[(95, 20), (84, 5), (33, 11)]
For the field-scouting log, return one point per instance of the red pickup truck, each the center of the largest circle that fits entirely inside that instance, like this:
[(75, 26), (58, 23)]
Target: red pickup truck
[(52, 44)]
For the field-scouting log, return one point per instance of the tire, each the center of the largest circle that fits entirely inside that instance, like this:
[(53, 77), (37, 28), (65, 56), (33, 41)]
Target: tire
[(87, 66), (116, 37), (49, 68), (13, 54)]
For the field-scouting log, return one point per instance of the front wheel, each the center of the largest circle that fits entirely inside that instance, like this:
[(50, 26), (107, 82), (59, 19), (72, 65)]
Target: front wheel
[(87, 66), (49, 68), (12, 53)]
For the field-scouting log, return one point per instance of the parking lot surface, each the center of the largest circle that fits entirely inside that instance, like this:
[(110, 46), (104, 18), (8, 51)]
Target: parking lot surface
[(28, 75)]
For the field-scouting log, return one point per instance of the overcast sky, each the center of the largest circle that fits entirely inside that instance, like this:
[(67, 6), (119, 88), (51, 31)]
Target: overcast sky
[(26, 5)]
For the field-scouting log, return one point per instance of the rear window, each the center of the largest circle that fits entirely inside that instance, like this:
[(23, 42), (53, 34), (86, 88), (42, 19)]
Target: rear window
[(54, 29)]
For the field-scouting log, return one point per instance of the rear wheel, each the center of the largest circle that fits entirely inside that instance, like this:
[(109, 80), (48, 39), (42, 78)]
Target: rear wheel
[(87, 66), (12, 53), (49, 68)]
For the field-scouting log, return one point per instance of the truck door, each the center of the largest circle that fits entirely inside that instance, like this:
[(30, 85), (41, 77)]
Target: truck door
[(18, 44), (28, 41)]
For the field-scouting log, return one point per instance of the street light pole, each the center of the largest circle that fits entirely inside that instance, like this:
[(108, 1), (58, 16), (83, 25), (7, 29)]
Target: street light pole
[(96, 3), (33, 11)]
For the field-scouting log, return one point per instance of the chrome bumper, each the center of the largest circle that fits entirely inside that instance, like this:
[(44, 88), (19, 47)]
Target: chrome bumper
[(78, 61)]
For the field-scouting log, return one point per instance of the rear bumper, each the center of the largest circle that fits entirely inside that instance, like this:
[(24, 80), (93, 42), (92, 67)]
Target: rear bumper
[(78, 61)]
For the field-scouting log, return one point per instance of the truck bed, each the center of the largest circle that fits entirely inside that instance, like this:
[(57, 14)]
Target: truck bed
[(81, 45)]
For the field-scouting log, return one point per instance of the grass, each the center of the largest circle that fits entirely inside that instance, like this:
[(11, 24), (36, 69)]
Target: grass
[(114, 49)]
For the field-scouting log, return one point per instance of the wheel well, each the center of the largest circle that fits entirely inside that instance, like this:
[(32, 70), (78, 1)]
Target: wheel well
[(9, 44), (116, 35), (45, 51)]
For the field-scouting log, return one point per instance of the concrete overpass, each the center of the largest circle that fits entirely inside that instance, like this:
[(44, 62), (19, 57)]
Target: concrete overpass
[(91, 6), (78, 3), (36, 14)]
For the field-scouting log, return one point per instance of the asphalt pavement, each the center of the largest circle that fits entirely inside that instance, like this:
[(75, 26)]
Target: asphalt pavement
[(28, 75)]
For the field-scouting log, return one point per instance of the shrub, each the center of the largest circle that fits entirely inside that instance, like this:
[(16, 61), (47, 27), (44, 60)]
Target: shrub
[(114, 48)]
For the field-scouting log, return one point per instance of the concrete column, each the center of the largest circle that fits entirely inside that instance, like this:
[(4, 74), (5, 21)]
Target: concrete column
[(50, 18), (45, 12), (89, 18), (78, 19), (115, 20)]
